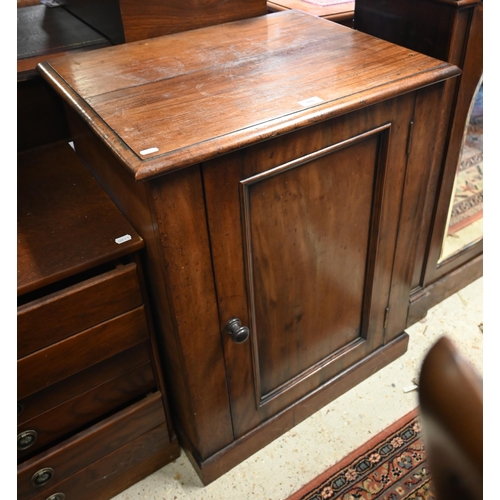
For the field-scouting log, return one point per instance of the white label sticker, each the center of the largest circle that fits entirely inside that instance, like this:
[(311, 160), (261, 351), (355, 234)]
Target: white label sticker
[(148, 151), (123, 239), (311, 101)]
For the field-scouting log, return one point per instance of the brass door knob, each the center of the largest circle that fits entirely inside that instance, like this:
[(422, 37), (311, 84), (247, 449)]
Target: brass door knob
[(238, 333)]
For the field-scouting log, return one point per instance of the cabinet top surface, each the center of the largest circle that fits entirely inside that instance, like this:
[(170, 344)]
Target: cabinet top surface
[(66, 223), (173, 101)]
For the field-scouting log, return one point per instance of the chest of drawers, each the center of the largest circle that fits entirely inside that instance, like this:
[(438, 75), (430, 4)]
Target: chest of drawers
[(92, 412)]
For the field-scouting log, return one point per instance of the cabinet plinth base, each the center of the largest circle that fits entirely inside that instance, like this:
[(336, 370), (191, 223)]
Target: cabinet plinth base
[(221, 462)]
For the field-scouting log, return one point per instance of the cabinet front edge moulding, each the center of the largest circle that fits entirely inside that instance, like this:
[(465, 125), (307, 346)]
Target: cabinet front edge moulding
[(166, 145)]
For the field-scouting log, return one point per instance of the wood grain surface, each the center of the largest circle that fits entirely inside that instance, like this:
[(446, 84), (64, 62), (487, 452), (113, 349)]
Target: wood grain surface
[(87, 408), (244, 132), (61, 314), (156, 17), (66, 223), (61, 360), (302, 237), (191, 96), (119, 469), (72, 386), (91, 444)]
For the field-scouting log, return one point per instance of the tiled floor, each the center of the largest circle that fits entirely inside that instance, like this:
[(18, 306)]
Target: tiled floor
[(327, 436)]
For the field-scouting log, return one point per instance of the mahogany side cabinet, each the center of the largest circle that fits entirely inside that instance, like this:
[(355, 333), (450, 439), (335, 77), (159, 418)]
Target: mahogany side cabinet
[(265, 163)]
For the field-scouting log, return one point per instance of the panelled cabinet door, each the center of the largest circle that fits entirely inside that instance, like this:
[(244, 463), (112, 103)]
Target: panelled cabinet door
[(303, 231)]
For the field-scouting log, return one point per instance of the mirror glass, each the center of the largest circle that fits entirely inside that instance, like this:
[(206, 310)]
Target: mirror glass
[(465, 216)]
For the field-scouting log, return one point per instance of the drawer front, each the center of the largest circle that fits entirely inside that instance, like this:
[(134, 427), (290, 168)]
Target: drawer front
[(117, 471), (63, 359), (89, 446), (57, 316), (66, 389), (58, 423)]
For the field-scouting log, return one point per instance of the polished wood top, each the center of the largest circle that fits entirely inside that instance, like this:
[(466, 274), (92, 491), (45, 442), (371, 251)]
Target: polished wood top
[(66, 223), (173, 101)]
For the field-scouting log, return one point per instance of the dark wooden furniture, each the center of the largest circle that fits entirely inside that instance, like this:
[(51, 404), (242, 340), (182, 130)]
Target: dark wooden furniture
[(451, 30), (129, 20), (92, 410), (342, 13), (81, 25), (451, 410), (42, 33), (264, 165)]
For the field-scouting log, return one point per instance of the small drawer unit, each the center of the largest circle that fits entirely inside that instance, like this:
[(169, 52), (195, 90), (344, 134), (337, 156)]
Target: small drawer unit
[(88, 456), (89, 387)]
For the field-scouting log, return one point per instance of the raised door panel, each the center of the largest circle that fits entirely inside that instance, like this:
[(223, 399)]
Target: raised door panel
[(303, 250), (306, 254)]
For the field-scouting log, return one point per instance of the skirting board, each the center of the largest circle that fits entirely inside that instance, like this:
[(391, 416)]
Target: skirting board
[(224, 460), (435, 293)]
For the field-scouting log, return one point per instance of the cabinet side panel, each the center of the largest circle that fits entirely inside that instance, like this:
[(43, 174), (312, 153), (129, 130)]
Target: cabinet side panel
[(472, 72), (182, 228), (440, 139), (40, 115), (134, 200), (424, 157), (418, 25)]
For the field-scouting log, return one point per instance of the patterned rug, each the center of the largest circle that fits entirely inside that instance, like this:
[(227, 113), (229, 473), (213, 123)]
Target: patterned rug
[(468, 201), (391, 466)]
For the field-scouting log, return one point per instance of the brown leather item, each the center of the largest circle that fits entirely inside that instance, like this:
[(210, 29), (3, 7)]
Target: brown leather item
[(451, 402)]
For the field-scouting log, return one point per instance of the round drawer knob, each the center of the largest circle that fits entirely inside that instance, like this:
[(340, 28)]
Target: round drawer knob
[(42, 476), (238, 333), (57, 496), (26, 439)]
